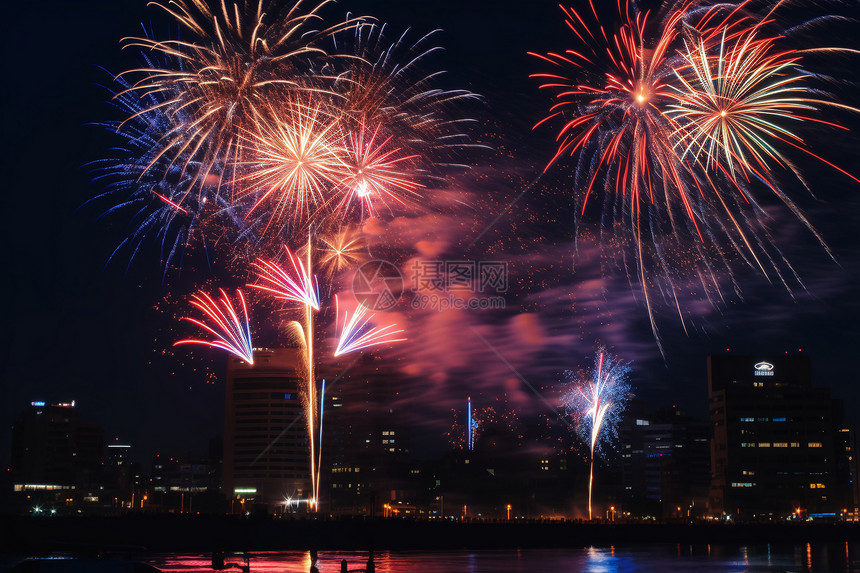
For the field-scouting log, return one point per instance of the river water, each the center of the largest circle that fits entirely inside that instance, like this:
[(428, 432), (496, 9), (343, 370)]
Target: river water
[(669, 558)]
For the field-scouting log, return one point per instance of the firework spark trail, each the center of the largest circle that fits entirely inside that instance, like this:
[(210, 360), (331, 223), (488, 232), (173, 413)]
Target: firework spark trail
[(733, 107), (612, 117), (146, 185), (322, 411), (375, 172), (293, 160), (676, 119), (384, 84), (357, 334), (232, 332), (236, 59), (312, 385), (596, 403), (305, 340), (341, 250), (300, 286)]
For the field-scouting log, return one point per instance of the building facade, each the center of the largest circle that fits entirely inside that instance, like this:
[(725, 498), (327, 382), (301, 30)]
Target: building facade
[(266, 443), (366, 447), (665, 463), (772, 448)]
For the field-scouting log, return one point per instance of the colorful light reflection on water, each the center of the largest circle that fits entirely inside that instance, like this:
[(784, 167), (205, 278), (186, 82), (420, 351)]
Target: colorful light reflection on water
[(675, 558)]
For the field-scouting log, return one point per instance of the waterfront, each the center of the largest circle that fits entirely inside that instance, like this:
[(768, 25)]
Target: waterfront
[(675, 558), (204, 534)]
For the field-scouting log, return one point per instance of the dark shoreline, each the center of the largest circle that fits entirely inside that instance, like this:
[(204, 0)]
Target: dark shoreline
[(197, 533)]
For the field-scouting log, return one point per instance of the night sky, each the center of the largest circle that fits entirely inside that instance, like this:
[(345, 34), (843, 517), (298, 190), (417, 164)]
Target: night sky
[(78, 327)]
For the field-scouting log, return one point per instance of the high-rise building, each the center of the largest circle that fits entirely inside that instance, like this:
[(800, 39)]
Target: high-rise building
[(118, 454), (665, 463), (54, 451), (772, 450), (266, 444), (366, 447), (846, 477)]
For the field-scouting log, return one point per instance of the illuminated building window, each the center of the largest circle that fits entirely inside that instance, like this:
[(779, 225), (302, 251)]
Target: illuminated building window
[(795, 444), (748, 473), (779, 419), (747, 444), (643, 423), (743, 484), (747, 419), (814, 444), (817, 486), (780, 444), (764, 444)]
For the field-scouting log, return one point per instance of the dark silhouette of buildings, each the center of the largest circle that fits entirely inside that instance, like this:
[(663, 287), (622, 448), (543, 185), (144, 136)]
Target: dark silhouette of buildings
[(665, 463), (366, 461), (847, 484), (56, 457)]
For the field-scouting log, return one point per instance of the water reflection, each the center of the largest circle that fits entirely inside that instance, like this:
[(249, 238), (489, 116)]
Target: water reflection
[(669, 557)]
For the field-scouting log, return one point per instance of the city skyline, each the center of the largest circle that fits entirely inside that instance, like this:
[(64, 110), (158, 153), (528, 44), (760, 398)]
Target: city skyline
[(96, 331), (775, 448)]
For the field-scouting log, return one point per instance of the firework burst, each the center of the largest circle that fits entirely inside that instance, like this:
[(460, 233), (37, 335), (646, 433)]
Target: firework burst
[(610, 109), (341, 250), (357, 333), (294, 160), (232, 332), (299, 286), (733, 106), (596, 402), (385, 84), (674, 121), (376, 172), (244, 131), (613, 115), (153, 190), (236, 60)]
